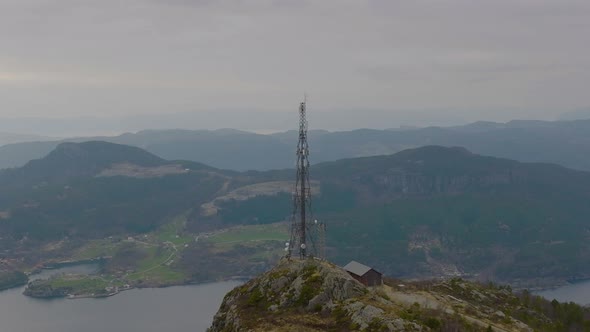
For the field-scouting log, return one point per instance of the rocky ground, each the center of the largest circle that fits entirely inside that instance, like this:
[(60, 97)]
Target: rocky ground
[(313, 295)]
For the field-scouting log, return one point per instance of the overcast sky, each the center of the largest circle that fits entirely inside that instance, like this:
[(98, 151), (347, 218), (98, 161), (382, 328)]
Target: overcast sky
[(465, 59)]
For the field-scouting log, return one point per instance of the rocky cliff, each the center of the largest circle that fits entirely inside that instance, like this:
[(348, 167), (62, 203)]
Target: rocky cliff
[(314, 295)]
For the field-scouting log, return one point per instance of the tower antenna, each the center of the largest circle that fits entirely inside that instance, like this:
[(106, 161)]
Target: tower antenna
[(303, 230)]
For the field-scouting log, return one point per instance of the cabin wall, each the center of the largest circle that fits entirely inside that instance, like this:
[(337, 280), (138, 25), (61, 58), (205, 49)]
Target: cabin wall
[(371, 278), (358, 278)]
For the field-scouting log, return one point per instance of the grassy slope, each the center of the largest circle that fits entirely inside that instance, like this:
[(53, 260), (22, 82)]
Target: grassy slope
[(162, 257)]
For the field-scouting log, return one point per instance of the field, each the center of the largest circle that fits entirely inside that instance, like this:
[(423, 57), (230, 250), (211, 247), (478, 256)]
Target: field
[(80, 285), (170, 255), (156, 267), (96, 248), (173, 232), (242, 234)]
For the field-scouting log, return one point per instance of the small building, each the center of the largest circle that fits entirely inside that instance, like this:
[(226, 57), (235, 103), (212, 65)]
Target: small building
[(364, 274)]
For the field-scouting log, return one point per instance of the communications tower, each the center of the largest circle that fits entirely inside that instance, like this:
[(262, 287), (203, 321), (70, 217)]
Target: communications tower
[(306, 233)]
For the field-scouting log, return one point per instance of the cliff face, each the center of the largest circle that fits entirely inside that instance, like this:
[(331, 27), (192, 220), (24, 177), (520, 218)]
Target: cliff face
[(314, 295)]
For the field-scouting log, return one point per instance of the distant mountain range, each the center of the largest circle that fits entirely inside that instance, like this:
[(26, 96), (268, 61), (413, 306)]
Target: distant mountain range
[(255, 120), (427, 211), (580, 114), (562, 142), (10, 138)]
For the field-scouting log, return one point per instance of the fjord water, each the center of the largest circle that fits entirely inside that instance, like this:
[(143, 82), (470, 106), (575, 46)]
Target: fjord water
[(578, 292), (182, 308)]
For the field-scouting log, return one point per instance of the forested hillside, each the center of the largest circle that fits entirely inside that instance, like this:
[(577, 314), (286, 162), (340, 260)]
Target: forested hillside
[(421, 212)]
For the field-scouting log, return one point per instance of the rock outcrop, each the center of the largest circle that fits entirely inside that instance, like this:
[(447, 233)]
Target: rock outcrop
[(304, 286), (305, 295), (312, 295)]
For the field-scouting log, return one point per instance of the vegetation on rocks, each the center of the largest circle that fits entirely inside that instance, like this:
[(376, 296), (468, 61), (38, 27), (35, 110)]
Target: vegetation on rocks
[(313, 295), (286, 295)]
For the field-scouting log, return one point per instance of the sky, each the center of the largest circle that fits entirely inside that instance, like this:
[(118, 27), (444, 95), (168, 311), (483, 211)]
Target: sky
[(387, 62)]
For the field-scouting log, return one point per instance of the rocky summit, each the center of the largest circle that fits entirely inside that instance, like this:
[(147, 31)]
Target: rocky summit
[(312, 295)]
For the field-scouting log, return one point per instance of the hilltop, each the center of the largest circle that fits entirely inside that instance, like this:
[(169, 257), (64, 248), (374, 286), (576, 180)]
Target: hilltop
[(435, 210), (70, 160), (93, 189), (313, 295)]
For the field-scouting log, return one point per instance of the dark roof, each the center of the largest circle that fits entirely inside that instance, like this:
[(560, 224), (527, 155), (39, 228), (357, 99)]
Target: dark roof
[(357, 268)]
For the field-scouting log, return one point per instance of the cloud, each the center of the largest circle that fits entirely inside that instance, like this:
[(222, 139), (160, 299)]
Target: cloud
[(471, 56)]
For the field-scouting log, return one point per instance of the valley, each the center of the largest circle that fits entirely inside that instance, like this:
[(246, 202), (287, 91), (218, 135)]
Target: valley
[(163, 258), (420, 213)]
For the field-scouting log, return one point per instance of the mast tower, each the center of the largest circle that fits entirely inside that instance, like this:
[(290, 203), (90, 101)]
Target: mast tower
[(304, 230)]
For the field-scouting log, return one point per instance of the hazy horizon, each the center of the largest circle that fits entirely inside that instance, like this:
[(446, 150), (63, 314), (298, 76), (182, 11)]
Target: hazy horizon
[(253, 121), (429, 63)]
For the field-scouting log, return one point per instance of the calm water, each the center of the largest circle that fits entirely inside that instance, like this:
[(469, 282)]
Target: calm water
[(578, 292), (182, 308)]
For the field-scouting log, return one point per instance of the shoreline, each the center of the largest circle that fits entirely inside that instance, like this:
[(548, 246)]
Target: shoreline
[(13, 286), (120, 290), (533, 285), (86, 296), (549, 286)]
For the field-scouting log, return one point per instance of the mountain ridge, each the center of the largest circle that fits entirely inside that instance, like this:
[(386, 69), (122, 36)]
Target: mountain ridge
[(427, 211), (561, 142)]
